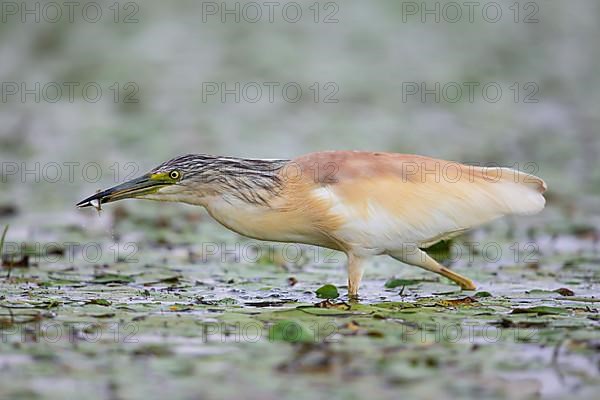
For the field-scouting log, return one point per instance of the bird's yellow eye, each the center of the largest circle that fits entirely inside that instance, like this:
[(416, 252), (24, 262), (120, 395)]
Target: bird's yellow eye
[(174, 175)]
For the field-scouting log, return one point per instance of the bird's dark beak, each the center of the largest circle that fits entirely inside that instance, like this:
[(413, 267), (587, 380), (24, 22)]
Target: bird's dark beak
[(131, 189)]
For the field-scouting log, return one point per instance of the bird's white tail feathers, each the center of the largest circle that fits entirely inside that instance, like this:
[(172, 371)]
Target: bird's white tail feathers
[(480, 196), (514, 192)]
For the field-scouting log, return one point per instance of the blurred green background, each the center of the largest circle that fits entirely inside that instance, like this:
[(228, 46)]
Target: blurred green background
[(362, 54), (164, 78)]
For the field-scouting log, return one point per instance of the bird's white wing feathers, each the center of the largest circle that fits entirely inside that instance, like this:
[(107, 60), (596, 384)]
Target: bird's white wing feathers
[(383, 213)]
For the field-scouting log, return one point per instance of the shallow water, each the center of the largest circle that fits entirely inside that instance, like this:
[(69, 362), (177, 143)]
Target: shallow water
[(167, 313)]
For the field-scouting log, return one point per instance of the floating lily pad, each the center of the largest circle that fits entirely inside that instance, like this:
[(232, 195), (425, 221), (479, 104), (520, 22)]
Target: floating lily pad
[(291, 331), (565, 292), (395, 282), (100, 302), (327, 292), (105, 279), (540, 310)]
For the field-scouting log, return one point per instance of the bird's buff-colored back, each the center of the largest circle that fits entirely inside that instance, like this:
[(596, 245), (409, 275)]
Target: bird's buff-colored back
[(377, 202)]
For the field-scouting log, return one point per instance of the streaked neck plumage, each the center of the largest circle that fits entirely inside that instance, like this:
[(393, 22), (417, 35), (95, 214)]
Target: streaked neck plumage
[(207, 177)]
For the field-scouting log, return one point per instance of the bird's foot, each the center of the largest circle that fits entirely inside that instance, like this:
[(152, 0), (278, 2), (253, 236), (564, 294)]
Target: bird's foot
[(467, 284), (353, 298), (462, 281)]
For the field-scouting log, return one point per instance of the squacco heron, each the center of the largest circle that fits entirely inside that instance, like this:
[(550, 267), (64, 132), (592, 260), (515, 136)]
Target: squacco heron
[(360, 203)]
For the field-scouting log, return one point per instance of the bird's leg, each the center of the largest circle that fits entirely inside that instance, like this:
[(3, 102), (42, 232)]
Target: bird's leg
[(355, 273), (418, 258)]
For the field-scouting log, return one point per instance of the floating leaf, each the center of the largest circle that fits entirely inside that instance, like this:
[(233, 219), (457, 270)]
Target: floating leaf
[(155, 350), (457, 302), (100, 302), (270, 303), (291, 331), (509, 323), (565, 292), (180, 307), (327, 292), (105, 279), (540, 310), (227, 301), (171, 280), (582, 299), (375, 334), (103, 315), (329, 304), (394, 283)]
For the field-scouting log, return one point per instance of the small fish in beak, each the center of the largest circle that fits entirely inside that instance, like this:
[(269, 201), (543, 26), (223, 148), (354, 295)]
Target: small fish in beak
[(134, 188), (96, 204), (92, 203)]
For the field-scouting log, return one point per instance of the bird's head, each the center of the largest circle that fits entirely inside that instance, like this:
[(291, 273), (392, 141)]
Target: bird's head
[(183, 179), (194, 178)]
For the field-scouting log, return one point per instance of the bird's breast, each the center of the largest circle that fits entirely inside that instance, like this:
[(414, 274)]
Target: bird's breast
[(281, 224)]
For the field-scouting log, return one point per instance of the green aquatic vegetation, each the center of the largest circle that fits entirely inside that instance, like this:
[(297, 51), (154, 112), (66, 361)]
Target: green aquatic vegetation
[(191, 322), (541, 310), (395, 282), (327, 292), (291, 331)]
